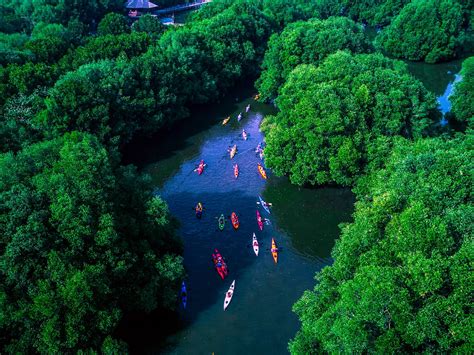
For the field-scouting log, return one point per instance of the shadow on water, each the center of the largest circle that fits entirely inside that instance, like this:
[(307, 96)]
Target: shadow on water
[(311, 219), (178, 137), (435, 77)]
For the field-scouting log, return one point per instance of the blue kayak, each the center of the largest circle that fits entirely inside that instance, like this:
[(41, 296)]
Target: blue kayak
[(264, 204), (184, 294)]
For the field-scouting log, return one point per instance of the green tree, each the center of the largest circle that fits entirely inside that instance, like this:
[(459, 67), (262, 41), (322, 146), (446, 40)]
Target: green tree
[(463, 95), (113, 24), (429, 30), (17, 126), (401, 280), (336, 120), (83, 242), (148, 24), (373, 12), (306, 43)]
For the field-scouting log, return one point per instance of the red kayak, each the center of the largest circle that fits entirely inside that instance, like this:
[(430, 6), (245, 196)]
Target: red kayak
[(219, 264), (236, 171), (235, 220), (200, 167), (259, 221)]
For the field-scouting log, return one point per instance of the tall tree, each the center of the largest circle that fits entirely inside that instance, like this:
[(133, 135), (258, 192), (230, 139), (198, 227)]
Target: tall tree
[(307, 43), (429, 30), (463, 95)]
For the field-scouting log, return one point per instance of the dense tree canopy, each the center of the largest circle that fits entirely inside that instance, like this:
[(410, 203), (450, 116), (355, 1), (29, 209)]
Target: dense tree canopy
[(337, 118), (113, 24), (402, 277), (279, 12), (372, 12), (113, 99), (306, 43), (82, 242), (463, 96), (430, 30)]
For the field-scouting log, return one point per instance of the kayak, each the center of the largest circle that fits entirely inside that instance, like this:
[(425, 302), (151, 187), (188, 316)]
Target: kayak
[(219, 264), (226, 120), (262, 172), (261, 155), (247, 109), (228, 295), (244, 135), (259, 221), (235, 220), (274, 251), (221, 222), (233, 150), (264, 205), (200, 167), (255, 244), (184, 295), (236, 171), (198, 209)]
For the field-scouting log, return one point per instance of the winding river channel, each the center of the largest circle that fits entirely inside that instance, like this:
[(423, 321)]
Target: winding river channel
[(303, 221)]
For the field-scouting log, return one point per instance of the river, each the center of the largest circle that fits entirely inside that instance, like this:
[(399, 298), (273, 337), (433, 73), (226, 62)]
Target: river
[(303, 221)]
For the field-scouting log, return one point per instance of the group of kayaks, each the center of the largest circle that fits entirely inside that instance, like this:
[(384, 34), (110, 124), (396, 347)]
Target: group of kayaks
[(218, 260), (239, 116)]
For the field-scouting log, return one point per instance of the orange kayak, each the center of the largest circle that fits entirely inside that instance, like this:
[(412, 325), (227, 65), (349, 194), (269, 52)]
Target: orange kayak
[(262, 172), (236, 171), (225, 121), (274, 251), (235, 220)]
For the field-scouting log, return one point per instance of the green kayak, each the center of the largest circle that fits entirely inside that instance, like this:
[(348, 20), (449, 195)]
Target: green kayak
[(221, 222)]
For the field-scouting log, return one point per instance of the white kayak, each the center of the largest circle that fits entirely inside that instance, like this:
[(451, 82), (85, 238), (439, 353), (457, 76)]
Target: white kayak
[(228, 295), (264, 205), (255, 244)]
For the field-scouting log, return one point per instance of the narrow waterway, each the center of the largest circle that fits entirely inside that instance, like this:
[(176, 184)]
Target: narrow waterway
[(303, 221)]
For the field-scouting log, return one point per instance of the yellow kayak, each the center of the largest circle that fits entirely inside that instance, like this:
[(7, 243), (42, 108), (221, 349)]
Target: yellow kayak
[(274, 251), (225, 121), (233, 150), (262, 172)]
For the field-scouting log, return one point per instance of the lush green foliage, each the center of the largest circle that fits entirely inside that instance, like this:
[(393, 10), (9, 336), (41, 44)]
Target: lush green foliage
[(114, 99), (402, 277), (306, 43), (82, 242), (148, 24), (430, 30), (279, 12), (463, 97), (337, 118), (373, 12), (113, 24)]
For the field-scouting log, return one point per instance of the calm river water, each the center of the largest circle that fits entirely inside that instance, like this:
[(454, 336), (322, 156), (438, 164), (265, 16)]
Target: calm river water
[(304, 223)]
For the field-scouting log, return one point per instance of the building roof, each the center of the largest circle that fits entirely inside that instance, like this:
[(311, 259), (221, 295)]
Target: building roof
[(140, 4)]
